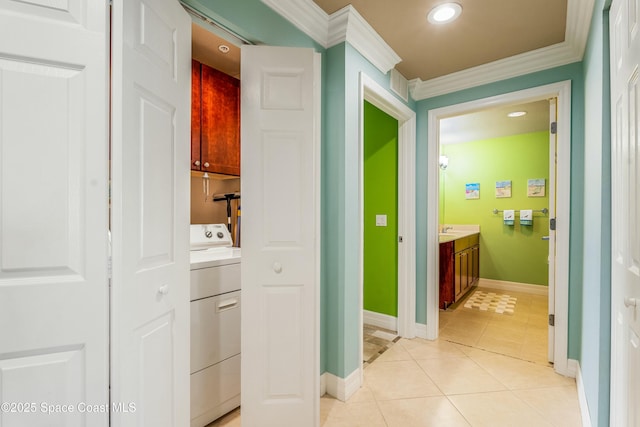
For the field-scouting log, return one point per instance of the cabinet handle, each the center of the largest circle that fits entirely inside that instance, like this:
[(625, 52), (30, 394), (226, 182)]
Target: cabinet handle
[(196, 163), (206, 164)]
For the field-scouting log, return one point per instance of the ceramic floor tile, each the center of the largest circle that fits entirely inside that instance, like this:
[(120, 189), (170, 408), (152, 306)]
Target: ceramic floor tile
[(458, 375), (519, 374), (422, 412), (497, 409), (398, 380), (460, 336), (420, 349), (396, 352), (361, 414), (558, 405), (499, 345)]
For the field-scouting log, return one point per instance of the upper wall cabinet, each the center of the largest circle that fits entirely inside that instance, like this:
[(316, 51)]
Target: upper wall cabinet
[(215, 121)]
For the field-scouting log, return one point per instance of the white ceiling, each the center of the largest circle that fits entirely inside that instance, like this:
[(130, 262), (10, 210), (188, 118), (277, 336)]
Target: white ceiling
[(494, 123)]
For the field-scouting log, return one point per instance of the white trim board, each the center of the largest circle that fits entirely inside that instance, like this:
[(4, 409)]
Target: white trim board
[(380, 320), (504, 285), (341, 388), (561, 90), (582, 397)]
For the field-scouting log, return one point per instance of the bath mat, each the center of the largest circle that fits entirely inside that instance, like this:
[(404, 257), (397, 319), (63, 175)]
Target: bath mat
[(491, 301)]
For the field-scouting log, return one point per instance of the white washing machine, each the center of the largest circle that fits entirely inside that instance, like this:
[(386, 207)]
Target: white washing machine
[(215, 323)]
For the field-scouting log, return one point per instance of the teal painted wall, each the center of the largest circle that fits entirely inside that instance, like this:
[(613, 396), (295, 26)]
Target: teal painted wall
[(596, 294), (340, 205), (380, 286), (514, 253), (572, 72)]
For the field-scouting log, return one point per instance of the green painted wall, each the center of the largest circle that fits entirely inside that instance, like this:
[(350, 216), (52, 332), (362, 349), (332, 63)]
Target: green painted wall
[(380, 198), (512, 253)]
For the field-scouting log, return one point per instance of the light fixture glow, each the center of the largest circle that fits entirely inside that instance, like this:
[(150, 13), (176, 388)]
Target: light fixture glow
[(516, 114), (444, 13)]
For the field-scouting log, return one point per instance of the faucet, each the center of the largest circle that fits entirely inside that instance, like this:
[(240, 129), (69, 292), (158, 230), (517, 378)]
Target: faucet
[(445, 229)]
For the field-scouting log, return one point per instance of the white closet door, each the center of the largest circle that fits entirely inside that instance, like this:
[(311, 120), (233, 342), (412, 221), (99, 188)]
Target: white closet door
[(53, 213), (151, 112), (625, 203), (280, 237)]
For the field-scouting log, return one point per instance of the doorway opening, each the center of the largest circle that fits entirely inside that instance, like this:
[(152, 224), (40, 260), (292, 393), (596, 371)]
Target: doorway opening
[(558, 304), (376, 95), (494, 286)]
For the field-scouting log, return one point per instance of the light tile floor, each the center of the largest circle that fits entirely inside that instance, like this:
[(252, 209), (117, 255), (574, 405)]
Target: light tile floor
[(497, 376)]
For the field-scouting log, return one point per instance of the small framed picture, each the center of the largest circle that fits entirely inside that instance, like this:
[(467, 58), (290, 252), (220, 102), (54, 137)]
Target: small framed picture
[(536, 187), (472, 191), (503, 189)]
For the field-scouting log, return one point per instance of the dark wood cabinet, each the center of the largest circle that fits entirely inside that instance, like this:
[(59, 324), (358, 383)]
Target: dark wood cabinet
[(459, 268), (215, 138)]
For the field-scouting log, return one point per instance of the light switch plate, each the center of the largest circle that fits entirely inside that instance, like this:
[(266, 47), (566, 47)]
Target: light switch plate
[(381, 220)]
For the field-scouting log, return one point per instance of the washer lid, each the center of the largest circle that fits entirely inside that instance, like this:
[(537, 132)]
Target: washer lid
[(205, 236)]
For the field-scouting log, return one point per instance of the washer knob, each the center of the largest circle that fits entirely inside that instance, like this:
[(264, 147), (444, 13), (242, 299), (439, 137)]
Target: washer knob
[(208, 234)]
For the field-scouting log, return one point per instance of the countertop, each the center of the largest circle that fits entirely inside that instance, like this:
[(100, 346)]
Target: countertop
[(457, 231)]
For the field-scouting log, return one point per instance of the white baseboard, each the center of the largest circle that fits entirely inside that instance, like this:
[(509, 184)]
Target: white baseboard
[(380, 320), (504, 285), (582, 397), (421, 331), (341, 388), (323, 384)]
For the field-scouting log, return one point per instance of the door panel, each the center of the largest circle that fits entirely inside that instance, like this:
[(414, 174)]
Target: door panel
[(151, 113), (280, 247), (53, 210), (625, 275)]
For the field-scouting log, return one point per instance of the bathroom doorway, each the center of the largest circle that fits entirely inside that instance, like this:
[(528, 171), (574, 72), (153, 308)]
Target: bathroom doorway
[(558, 300), (498, 150)]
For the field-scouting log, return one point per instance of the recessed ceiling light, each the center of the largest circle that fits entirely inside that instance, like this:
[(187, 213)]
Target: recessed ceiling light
[(223, 48), (444, 13), (516, 114)]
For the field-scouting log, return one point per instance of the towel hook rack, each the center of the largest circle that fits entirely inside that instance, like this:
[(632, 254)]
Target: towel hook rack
[(543, 210)]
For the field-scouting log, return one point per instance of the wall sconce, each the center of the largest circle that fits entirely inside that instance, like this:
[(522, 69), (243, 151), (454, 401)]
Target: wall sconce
[(444, 162)]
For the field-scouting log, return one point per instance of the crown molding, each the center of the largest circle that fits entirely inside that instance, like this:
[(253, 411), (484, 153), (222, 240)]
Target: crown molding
[(348, 25), (344, 25), (307, 16), (579, 14)]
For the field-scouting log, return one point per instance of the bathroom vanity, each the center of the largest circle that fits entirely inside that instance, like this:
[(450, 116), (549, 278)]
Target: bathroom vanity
[(459, 264)]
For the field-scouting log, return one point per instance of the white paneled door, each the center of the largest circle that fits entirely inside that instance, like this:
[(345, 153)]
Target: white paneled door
[(53, 213), (151, 81), (625, 171), (280, 240)]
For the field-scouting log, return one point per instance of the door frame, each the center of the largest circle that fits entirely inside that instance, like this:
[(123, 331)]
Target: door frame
[(561, 90), (371, 91)]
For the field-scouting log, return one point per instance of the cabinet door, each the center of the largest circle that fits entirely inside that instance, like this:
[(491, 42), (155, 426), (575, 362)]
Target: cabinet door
[(196, 99), (220, 142), (475, 264), (457, 276)]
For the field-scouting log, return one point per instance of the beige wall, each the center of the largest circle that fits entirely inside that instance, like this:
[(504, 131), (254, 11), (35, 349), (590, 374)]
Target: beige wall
[(203, 209)]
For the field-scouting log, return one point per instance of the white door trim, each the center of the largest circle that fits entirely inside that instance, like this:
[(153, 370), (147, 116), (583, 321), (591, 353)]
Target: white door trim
[(561, 90), (375, 94)]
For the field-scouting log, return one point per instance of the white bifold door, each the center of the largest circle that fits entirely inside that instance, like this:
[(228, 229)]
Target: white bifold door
[(54, 363), (625, 183), (151, 113), (280, 240)]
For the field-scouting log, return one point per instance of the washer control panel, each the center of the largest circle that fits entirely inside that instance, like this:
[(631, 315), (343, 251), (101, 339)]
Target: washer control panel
[(205, 236)]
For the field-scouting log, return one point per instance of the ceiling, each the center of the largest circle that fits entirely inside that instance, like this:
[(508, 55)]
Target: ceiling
[(486, 31)]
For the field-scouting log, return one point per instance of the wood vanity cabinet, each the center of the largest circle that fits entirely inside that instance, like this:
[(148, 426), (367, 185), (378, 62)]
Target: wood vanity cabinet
[(215, 121), (459, 268)]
